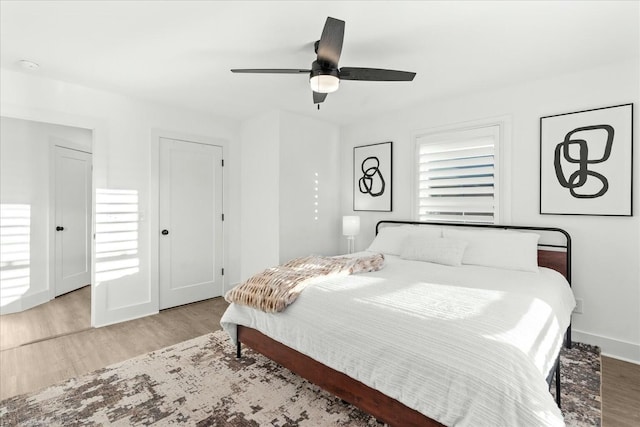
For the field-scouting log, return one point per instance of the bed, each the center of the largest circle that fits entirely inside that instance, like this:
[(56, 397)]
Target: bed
[(433, 339)]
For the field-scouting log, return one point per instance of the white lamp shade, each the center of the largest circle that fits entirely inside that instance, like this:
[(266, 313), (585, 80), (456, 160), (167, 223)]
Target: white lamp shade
[(350, 225)]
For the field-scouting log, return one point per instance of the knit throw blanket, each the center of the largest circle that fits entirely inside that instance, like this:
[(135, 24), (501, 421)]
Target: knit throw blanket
[(275, 288)]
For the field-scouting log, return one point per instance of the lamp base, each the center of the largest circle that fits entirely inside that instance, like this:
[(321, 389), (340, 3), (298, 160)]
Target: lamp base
[(351, 244)]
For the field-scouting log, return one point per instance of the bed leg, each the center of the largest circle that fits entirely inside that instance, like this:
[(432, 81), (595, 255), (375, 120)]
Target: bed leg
[(558, 383), (238, 350), (567, 338)]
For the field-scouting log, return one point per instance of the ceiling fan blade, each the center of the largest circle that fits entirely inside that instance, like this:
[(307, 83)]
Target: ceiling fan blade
[(375, 74), (319, 97), (330, 43), (270, 70)]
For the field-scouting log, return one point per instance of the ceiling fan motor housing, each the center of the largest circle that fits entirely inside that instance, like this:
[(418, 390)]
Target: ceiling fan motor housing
[(324, 78)]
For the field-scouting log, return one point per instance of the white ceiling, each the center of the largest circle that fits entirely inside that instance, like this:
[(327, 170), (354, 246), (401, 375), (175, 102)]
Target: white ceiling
[(180, 52)]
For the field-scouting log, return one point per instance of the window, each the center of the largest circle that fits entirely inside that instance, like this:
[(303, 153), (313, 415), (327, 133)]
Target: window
[(457, 175)]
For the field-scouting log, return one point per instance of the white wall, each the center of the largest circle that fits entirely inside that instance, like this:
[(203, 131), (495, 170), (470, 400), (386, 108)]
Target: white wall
[(259, 193), (281, 154), (308, 153), (606, 249), (26, 148), (122, 130)]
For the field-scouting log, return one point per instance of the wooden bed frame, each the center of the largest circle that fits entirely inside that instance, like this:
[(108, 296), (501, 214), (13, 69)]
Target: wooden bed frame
[(368, 399)]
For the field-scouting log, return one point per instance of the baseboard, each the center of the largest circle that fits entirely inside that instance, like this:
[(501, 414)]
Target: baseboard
[(26, 302), (623, 350)]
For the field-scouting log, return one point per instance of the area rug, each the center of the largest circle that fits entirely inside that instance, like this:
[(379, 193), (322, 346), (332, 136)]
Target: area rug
[(200, 382)]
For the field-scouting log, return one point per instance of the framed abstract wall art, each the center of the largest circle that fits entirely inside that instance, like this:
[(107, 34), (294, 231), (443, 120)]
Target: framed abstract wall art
[(372, 177), (586, 162)]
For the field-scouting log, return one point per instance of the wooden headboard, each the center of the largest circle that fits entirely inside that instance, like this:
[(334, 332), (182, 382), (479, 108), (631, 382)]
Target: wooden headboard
[(555, 255)]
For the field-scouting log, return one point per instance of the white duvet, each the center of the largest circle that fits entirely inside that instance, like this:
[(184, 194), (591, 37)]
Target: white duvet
[(466, 346)]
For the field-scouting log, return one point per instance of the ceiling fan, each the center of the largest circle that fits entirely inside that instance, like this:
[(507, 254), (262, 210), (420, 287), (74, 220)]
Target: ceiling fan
[(324, 75)]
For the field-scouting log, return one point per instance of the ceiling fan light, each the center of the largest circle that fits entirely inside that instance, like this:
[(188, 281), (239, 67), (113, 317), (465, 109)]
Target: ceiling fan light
[(324, 83)]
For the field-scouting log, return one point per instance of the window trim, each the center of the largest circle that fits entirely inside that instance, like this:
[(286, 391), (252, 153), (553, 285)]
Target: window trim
[(503, 161)]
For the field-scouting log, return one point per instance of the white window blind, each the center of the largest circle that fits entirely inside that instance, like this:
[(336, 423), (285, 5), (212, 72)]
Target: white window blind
[(458, 175)]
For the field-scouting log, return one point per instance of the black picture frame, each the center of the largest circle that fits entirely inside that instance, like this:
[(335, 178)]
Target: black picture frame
[(586, 162), (373, 177)]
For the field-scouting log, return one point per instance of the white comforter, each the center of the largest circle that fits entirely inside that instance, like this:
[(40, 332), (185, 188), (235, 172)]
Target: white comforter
[(466, 346)]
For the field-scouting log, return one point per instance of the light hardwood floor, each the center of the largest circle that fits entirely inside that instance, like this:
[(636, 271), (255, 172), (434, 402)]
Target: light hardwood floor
[(66, 314), (29, 360), (30, 366), (620, 393)]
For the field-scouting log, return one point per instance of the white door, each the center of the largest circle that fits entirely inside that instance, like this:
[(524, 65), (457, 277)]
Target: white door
[(190, 222), (72, 220)]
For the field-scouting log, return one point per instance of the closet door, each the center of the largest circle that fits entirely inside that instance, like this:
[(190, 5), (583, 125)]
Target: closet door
[(190, 222), (72, 220)]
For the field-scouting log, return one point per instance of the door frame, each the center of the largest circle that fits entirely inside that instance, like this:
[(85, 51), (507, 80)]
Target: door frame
[(98, 136), (154, 203), (52, 213)]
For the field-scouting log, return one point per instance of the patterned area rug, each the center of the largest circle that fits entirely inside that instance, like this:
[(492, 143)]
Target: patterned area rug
[(200, 382)]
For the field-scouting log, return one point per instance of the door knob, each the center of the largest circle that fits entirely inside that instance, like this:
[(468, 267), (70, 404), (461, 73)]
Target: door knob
[(165, 232), (58, 228)]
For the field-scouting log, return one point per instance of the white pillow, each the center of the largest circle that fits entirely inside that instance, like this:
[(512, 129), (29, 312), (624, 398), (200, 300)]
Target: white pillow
[(440, 250), (390, 240), (425, 231), (511, 250)]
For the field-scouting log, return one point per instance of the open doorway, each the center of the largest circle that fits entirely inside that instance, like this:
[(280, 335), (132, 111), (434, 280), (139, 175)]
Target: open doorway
[(45, 179)]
